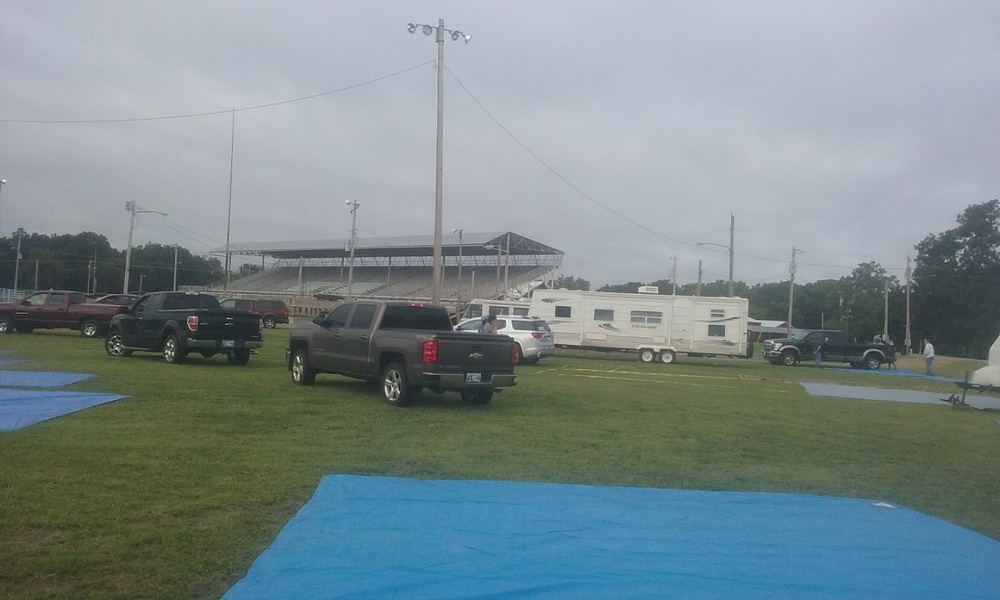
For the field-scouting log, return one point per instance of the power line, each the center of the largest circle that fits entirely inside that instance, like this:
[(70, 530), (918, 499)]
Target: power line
[(214, 112)]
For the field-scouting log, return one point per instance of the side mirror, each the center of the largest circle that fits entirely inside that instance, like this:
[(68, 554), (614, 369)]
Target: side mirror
[(24, 303), (320, 319)]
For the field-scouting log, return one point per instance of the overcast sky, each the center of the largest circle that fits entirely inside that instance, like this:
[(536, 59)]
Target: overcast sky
[(622, 133)]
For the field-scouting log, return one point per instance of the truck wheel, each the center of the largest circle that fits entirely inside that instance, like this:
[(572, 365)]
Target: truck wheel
[(646, 355), (518, 354), (238, 357), (395, 387), (172, 351), (788, 358), (269, 322), (6, 324), (477, 395), (113, 345), (668, 357), (91, 328), (302, 372), (873, 362)]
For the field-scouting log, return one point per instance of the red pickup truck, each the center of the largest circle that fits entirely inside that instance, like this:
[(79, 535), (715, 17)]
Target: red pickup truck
[(56, 309)]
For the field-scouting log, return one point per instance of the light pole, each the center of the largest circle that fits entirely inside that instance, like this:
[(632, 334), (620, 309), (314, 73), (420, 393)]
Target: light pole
[(439, 171), (354, 235), (133, 211), (730, 250), (3, 182), (459, 232), (791, 288)]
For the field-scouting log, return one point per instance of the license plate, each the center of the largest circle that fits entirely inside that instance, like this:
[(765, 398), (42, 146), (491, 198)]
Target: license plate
[(473, 378), (228, 343)]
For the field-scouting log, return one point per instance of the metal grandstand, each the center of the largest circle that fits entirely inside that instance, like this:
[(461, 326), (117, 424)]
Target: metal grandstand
[(493, 265)]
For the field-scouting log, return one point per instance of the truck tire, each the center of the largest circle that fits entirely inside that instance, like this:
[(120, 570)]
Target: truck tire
[(91, 328), (6, 324), (646, 355), (789, 358), (395, 387), (477, 395), (873, 362), (302, 371), (518, 354), (172, 351), (113, 345), (238, 357), (668, 357), (269, 322)]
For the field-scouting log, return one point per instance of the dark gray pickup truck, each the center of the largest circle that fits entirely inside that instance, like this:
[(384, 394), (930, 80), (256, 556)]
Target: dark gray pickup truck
[(405, 346)]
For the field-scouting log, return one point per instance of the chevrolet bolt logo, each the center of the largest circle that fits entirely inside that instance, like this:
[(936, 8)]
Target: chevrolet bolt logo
[(476, 355)]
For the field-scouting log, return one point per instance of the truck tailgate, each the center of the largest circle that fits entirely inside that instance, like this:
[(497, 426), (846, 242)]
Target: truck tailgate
[(481, 351), (219, 324)]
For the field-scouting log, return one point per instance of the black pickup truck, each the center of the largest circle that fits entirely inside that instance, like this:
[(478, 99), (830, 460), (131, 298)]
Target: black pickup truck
[(177, 323), (406, 346), (835, 348)]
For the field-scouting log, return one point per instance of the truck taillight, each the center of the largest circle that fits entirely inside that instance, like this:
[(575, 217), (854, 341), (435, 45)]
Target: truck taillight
[(430, 354), (192, 322), (513, 354)]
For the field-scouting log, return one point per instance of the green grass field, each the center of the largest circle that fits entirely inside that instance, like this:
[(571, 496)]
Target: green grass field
[(172, 492)]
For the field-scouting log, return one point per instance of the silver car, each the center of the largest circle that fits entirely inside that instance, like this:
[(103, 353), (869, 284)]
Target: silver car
[(533, 336)]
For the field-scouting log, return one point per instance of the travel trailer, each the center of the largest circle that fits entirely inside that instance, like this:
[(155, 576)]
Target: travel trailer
[(480, 308), (658, 327)]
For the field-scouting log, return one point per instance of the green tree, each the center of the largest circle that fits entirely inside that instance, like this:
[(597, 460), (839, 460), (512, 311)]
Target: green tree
[(956, 284), (568, 282)]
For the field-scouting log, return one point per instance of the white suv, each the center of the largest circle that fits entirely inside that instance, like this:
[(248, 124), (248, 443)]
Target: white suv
[(532, 335)]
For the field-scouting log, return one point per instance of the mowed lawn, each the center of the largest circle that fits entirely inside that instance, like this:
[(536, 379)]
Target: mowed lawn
[(173, 491)]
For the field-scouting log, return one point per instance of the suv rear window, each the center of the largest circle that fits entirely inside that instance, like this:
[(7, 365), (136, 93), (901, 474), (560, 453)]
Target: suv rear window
[(416, 317)]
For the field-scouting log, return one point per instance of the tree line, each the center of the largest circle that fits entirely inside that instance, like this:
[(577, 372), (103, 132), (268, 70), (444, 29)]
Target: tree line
[(954, 291)]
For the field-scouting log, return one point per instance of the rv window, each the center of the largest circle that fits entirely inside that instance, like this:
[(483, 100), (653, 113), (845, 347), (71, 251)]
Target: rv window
[(646, 316), (521, 311), (499, 310), (603, 314), (473, 310), (563, 311), (718, 313), (717, 331)]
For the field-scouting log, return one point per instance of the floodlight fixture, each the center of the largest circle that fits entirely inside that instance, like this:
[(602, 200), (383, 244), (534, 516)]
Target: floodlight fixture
[(411, 27), (427, 29)]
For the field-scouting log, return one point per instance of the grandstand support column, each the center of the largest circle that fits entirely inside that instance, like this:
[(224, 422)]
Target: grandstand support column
[(302, 284), (353, 242)]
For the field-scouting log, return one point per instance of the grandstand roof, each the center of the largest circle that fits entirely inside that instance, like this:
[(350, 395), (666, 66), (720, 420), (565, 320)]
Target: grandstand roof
[(473, 244)]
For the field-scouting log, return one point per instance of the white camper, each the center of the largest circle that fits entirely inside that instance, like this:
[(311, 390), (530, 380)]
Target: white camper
[(658, 326), (481, 308)]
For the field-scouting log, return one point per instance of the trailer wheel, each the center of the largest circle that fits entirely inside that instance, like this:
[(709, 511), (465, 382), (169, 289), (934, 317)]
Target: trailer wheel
[(789, 358), (668, 357), (646, 355)]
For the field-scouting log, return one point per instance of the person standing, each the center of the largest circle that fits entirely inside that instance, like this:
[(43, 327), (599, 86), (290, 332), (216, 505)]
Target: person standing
[(490, 324), (929, 356), (818, 352)]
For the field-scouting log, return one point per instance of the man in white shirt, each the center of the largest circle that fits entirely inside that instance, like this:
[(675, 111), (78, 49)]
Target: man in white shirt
[(929, 356)]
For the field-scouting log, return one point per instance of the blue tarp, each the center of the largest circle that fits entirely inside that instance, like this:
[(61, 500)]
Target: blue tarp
[(891, 395), (20, 408), (45, 379), (381, 537)]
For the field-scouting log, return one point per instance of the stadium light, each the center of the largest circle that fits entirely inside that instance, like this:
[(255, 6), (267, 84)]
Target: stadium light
[(729, 248), (439, 176), (133, 211)]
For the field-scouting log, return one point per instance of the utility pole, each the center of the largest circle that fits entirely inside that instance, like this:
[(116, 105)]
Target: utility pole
[(885, 325), (354, 235), (732, 236), (697, 291), (175, 267), (17, 261), (673, 276), (909, 274), (791, 288)]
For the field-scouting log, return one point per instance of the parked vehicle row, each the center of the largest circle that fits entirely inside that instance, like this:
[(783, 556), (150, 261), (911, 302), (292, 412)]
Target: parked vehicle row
[(56, 309)]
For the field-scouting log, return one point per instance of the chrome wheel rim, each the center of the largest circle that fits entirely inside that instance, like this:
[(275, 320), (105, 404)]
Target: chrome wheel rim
[(391, 385)]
